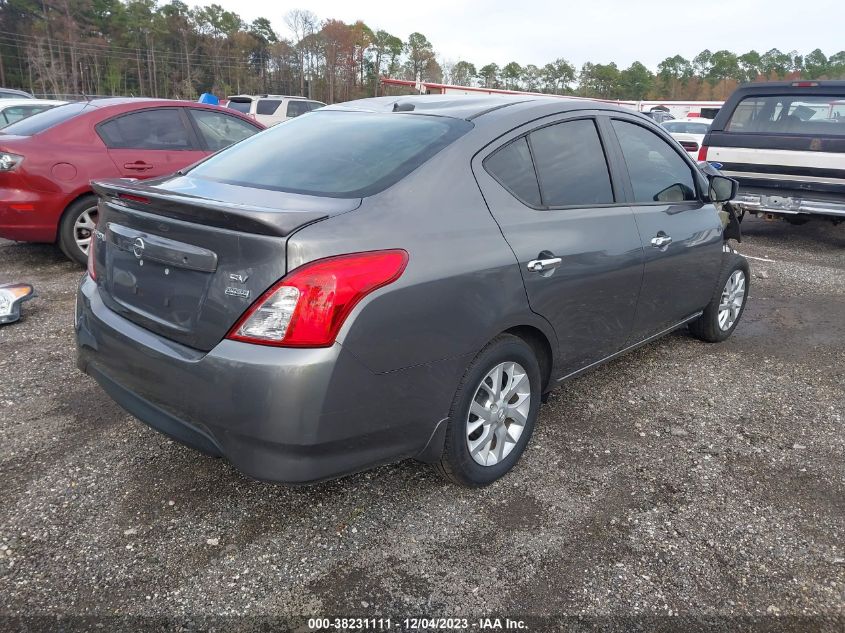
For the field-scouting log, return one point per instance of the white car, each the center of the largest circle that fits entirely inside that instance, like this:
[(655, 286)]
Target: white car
[(272, 109), (688, 132), (13, 110)]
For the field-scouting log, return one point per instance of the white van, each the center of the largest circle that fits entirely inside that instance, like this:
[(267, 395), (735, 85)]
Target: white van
[(272, 109)]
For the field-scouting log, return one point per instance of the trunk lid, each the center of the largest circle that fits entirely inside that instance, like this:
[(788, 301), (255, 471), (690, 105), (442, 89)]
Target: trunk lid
[(185, 257)]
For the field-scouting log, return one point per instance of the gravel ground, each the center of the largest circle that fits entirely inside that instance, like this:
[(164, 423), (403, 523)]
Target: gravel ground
[(685, 479)]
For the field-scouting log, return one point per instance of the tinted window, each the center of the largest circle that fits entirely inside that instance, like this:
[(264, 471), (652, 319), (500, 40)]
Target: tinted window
[(339, 154), (37, 123), (221, 130), (295, 108), (315, 105), (240, 106), (513, 168), (571, 165), (658, 173), (161, 128), (790, 114), (267, 106), (14, 114)]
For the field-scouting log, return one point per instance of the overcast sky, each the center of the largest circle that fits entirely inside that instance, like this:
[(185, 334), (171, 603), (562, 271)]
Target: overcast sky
[(601, 31)]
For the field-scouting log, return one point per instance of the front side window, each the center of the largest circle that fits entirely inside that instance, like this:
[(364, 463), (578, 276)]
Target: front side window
[(512, 167), (657, 171), (816, 115), (267, 106), (161, 128), (334, 153), (571, 165), (220, 130)]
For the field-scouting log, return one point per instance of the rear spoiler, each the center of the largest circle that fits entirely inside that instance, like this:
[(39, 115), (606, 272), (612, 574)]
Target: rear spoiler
[(244, 218)]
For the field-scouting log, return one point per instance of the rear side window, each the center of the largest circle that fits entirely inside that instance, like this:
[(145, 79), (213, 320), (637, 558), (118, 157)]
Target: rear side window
[(512, 167), (571, 165), (161, 128), (816, 115), (37, 123), (334, 153), (220, 130), (240, 106), (267, 106), (657, 171), (295, 108), (315, 105)]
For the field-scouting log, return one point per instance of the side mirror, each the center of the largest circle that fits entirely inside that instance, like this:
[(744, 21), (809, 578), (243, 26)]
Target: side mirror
[(722, 188)]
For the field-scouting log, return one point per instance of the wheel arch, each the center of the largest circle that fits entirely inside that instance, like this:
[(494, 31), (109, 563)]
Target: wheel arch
[(79, 196), (542, 346)]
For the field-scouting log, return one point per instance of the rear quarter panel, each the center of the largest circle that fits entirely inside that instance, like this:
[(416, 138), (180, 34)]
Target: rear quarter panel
[(462, 285)]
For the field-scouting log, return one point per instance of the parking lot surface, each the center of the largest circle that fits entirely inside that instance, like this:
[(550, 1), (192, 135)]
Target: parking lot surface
[(685, 478)]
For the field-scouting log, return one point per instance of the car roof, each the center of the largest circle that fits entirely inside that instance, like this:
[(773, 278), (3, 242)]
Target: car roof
[(23, 93), (262, 96), (5, 103), (471, 107)]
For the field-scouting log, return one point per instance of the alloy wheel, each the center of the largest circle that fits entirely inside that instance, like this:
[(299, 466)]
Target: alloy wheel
[(498, 413), (83, 228), (733, 296)]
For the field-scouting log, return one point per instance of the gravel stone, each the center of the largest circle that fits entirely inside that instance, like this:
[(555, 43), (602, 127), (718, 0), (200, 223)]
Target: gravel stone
[(667, 481)]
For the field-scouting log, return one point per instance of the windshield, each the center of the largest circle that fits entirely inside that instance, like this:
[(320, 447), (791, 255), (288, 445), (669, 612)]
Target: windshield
[(44, 120), (334, 153), (790, 114), (686, 127)]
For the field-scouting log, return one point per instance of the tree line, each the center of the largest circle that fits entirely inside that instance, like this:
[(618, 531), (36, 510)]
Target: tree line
[(143, 47)]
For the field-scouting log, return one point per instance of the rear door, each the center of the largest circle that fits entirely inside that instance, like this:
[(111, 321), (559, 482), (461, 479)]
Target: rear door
[(681, 234), (571, 231), (151, 142)]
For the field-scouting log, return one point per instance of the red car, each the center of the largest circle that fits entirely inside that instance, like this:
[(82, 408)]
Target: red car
[(48, 160)]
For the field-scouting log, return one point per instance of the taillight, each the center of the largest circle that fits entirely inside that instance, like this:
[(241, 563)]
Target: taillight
[(308, 307), (702, 153), (9, 162), (690, 146), (90, 267)]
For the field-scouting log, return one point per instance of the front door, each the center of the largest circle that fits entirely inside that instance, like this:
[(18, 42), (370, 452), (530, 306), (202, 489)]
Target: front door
[(681, 233), (151, 142), (550, 190)]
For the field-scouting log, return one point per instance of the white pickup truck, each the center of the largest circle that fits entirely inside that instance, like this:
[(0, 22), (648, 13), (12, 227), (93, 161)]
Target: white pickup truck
[(785, 144)]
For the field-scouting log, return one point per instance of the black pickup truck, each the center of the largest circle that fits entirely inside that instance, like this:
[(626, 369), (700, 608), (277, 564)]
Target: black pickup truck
[(785, 144)]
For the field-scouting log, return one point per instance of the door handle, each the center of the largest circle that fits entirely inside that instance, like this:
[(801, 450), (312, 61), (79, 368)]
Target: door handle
[(661, 240), (539, 265), (138, 165)]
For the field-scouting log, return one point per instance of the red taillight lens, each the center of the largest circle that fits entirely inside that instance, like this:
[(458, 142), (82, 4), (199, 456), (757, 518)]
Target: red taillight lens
[(690, 146), (90, 267), (702, 153), (308, 307)]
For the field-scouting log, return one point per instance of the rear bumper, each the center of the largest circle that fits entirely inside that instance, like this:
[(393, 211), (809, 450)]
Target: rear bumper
[(29, 216), (788, 204), (288, 415)]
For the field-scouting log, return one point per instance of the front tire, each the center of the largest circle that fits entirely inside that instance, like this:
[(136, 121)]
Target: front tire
[(493, 413), (77, 229), (722, 314)]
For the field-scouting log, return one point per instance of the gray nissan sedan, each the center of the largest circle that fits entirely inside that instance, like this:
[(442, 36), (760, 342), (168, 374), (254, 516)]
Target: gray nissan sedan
[(400, 277)]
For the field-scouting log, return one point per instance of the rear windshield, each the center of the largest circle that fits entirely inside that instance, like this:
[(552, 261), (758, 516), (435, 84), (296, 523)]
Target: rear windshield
[(686, 127), (334, 153), (43, 120), (790, 114), (240, 106)]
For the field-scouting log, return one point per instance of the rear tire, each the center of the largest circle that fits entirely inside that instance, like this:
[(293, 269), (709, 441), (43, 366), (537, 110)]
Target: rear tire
[(77, 229), (490, 424), (722, 314)]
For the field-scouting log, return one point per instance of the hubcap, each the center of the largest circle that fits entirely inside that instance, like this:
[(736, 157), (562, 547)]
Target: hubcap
[(498, 413), (733, 296), (83, 228)]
